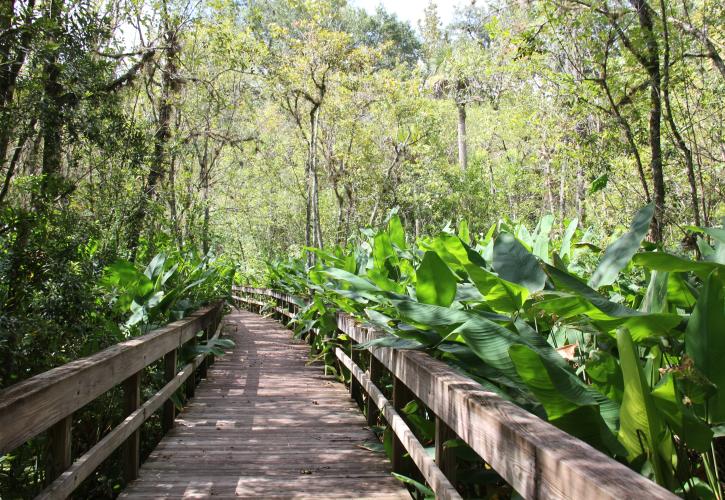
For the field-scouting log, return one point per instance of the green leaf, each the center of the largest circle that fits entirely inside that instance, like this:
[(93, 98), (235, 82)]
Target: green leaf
[(655, 299), (681, 419), (396, 232), (619, 253), (605, 375), (569, 403), (661, 261), (423, 489), (642, 428), (565, 251), (435, 283), (463, 232), (514, 263), (541, 238), (705, 341)]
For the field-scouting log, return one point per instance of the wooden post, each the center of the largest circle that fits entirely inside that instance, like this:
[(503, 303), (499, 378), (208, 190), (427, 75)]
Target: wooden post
[(191, 381), (169, 412), (205, 362), (401, 397), (445, 458), (60, 447), (355, 389), (131, 448), (375, 374)]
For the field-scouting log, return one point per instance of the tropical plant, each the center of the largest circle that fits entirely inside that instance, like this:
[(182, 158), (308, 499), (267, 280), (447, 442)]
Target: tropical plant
[(617, 347)]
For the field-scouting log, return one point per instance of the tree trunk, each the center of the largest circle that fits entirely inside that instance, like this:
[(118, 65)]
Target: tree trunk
[(51, 114), (161, 137), (652, 65), (580, 210), (679, 140), (462, 148)]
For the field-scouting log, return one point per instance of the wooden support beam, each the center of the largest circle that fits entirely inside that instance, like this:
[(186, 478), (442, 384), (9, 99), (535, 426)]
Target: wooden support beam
[(355, 391), (401, 397), (34, 405), (169, 412), (443, 489), (205, 363), (445, 458), (190, 385), (375, 373), (60, 447), (131, 448)]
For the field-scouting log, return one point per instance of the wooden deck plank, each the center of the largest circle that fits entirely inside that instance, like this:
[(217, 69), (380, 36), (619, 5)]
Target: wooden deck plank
[(266, 425)]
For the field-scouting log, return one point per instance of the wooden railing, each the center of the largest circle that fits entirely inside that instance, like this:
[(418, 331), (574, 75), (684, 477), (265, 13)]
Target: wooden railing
[(47, 401), (537, 459)]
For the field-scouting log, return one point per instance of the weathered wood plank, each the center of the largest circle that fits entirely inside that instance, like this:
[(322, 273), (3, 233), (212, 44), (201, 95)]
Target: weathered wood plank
[(32, 406), (85, 465), (536, 458), (436, 479), (131, 448), (266, 425)]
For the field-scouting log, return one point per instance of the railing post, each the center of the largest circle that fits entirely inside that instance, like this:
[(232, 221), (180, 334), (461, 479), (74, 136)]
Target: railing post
[(205, 362), (169, 412), (191, 381), (445, 458), (401, 397), (131, 449), (376, 372), (60, 447), (355, 388)]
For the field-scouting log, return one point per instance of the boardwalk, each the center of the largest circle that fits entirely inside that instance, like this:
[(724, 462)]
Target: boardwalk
[(265, 425)]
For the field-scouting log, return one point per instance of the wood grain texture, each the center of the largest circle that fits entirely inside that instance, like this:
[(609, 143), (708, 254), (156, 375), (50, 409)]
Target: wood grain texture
[(32, 406), (536, 458), (443, 489), (265, 424)]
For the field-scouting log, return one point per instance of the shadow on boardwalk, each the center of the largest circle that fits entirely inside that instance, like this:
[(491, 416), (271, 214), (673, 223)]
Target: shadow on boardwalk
[(266, 425)]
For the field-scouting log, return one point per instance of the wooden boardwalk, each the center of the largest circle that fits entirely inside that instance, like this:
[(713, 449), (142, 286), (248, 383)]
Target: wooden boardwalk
[(266, 425)]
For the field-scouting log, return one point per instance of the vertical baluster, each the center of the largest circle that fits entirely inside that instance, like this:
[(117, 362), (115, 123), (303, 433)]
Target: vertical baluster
[(131, 448), (204, 363), (375, 374), (60, 447), (169, 412), (355, 388), (191, 381), (445, 458), (401, 397)]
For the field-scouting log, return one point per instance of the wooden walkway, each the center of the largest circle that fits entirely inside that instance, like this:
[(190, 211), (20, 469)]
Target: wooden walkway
[(266, 425)]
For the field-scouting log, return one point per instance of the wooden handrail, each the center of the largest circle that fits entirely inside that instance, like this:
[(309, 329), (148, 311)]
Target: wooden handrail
[(48, 400), (537, 459)]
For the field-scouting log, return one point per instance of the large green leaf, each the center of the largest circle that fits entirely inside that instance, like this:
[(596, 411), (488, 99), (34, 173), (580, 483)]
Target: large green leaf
[(655, 299), (513, 262), (541, 238), (569, 404), (605, 375), (607, 315), (491, 342), (565, 250), (396, 232), (500, 294), (705, 340), (642, 428), (681, 419), (661, 261), (619, 253), (435, 283)]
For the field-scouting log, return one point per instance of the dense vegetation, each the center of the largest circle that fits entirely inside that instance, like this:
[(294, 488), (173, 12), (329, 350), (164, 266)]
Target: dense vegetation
[(617, 347), (152, 149)]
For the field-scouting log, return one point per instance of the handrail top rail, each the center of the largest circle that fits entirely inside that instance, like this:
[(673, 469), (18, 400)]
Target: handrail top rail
[(33, 405)]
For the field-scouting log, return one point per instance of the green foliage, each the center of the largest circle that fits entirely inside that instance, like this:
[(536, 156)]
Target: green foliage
[(630, 369)]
